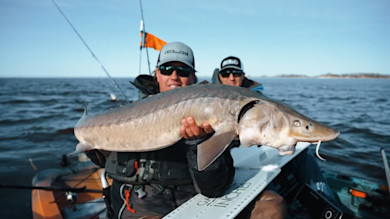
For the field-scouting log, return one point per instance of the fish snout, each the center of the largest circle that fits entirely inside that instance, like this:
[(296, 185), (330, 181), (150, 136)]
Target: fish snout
[(325, 135), (312, 131)]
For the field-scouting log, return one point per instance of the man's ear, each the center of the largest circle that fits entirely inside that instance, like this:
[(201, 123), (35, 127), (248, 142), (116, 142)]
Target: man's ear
[(219, 77), (156, 74), (194, 78)]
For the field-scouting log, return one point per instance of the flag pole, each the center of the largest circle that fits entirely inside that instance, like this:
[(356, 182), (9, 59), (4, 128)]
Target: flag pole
[(140, 48), (143, 38)]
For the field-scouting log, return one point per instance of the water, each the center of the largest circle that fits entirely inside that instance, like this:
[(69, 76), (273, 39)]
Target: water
[(37, 117)]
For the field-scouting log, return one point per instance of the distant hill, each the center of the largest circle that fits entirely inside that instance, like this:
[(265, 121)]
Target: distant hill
[(355, 75), (292, 76), (331, 75)]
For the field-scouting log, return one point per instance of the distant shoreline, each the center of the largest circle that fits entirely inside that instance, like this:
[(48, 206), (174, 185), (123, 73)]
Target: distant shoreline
[(330, 75)]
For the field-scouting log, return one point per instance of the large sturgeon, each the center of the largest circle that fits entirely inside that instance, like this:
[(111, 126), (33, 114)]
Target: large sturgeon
[(154, 123)]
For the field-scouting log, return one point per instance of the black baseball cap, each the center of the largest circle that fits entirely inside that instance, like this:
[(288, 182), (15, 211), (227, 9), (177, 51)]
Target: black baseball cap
[(231, 62)]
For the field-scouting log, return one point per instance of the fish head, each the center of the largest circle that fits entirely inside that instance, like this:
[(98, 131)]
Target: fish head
[(279, 126), (305, 129)]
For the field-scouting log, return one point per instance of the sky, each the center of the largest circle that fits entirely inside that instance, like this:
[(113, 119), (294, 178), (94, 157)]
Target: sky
[(308, 37)]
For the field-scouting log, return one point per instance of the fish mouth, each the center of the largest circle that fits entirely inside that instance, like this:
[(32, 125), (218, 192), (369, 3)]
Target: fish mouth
[(286, 150)]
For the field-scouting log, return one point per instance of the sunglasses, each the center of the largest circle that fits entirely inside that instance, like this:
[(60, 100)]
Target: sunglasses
[(226, 73), (181, 71)]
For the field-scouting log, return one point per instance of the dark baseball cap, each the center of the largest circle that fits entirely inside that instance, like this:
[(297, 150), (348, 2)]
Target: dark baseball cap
[(231, 62)]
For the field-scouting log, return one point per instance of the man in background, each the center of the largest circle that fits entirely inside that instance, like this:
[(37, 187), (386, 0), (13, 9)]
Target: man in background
[(232, 73)]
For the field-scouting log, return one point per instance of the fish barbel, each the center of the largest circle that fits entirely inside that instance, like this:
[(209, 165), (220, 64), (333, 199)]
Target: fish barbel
[(233, 112)]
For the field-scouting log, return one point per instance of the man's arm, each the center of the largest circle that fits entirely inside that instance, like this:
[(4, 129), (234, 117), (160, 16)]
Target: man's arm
[(215, 179)]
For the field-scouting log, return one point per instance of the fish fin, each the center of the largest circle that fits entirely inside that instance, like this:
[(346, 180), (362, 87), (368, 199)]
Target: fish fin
[(83, 147), (213, 147), (85, 108)]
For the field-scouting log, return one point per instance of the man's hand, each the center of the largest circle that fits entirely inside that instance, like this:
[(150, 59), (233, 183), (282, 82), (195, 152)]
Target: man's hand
[(190, 130)]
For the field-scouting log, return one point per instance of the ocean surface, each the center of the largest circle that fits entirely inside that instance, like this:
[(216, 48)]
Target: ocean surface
[(37, 118)]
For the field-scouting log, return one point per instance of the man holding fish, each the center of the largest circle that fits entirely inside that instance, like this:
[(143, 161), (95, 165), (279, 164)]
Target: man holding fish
[(156, 182), (162, 169)]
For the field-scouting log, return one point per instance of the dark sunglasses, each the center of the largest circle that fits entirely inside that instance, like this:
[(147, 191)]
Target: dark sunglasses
[(226, 73), (182, 71)]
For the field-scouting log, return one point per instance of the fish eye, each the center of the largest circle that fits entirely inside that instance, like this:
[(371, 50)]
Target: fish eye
[(297, 123)]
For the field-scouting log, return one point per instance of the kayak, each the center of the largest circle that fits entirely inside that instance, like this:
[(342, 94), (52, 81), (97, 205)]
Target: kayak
[(75, 191)]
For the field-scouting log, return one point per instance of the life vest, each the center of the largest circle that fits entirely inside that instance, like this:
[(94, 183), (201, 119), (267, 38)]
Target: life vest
[(167, 166)]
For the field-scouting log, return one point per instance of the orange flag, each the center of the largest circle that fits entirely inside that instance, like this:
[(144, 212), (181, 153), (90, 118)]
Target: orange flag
[(152, 41)]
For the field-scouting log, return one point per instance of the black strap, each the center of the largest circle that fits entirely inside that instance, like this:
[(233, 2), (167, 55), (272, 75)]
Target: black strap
[(247, 107), (107, 200)]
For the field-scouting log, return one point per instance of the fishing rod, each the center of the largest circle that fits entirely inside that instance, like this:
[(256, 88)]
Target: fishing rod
[(90, 51), (48, 188), (387, 169)]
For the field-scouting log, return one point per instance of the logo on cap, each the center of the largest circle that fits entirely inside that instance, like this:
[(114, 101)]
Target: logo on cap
[(177, 52), (231, 62)]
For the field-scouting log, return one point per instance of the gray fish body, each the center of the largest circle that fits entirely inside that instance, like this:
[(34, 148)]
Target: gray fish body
[(154, 123)]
